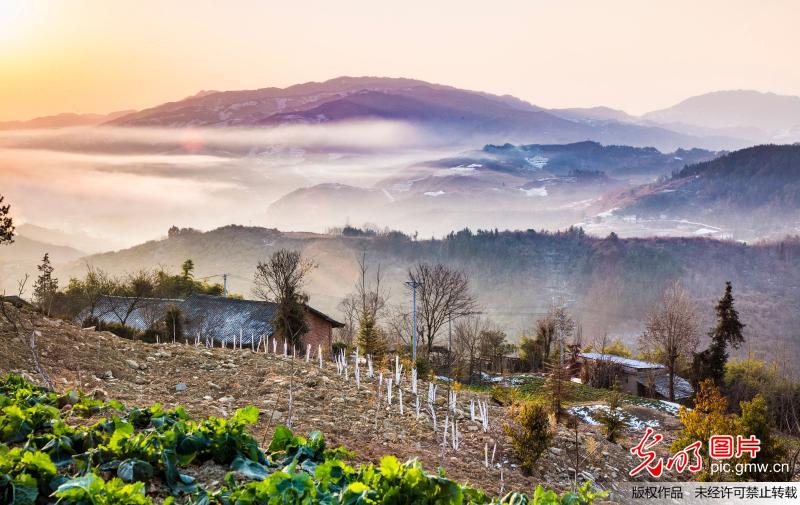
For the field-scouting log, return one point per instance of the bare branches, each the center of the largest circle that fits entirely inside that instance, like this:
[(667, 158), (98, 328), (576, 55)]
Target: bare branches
[(280, 280), (671, 331), (281, 276), (443, 294)]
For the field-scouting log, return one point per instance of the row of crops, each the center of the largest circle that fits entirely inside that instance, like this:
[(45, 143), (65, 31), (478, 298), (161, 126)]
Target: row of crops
[(50, 452)]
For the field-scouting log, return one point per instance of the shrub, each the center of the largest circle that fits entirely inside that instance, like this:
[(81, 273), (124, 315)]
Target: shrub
[(617, 348), (119, 330), (338, 348), (612, 420), (708, 418), (529, 429), (744, 379), (755, 420)]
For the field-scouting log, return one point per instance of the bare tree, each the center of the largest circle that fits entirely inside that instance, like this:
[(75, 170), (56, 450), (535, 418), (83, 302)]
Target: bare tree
[(443, 294), (546, 334), (672, 331), (469, 336), (398, 326), (366, 303), (280, 280), (89, 291), (349, 308), (563, 324), (134, 294), (370, 294)]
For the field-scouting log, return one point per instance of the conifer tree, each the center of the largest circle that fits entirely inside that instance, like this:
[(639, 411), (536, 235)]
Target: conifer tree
[(6, 224), (46, 285), (369, 338), (710, 364)]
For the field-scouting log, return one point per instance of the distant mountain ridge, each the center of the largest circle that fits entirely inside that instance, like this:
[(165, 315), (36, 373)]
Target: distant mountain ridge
[(64, 120), (443, 110), (776, 116)]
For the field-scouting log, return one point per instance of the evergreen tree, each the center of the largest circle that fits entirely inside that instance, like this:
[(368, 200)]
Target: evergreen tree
[(187, 269), (370, 339), (46, 285), (710, 364), (6, 224)]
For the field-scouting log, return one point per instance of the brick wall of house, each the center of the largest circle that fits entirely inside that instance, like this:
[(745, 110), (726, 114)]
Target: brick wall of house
[(320, 333)]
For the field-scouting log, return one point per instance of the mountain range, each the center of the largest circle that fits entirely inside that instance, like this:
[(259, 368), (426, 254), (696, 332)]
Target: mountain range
[(729, 119), (445, 112), (64, 120)]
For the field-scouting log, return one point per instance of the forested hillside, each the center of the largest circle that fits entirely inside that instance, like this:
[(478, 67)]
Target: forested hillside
[(755, 189), (608, 283)]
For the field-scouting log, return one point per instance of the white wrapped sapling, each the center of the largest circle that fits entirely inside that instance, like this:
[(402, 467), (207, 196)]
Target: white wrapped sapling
[(398, 369), (444, 437)]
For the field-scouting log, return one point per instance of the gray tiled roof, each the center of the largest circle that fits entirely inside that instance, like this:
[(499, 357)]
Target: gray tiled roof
[(145, 311), (628, 362), (225, 318), (683, 389), (212, 317)]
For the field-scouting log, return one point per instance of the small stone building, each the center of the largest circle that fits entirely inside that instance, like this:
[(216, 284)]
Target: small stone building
[(641, 378), (215, 318)]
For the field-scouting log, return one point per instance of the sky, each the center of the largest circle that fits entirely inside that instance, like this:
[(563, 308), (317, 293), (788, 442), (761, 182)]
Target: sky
[(100, 56)]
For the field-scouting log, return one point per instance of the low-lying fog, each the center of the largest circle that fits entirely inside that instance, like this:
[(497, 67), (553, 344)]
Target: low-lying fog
[(104, 188), (131, 185)]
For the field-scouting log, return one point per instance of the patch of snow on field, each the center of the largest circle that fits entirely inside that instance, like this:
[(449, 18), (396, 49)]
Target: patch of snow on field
[(534, 191), (537, 161), (705, 231), (590, 415), (670, 407), (434, 193), (471, 169)]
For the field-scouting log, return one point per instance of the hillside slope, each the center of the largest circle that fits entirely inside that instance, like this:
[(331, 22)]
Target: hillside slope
[(756, 188), (218, 381)]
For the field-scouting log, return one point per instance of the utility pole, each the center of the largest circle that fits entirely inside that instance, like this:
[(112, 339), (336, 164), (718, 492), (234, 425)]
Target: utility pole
[(413, 285), (225, 285), (450, 345)]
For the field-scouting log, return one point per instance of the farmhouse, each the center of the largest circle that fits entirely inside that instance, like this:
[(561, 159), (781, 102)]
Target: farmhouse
[(636, 377), (211, 318)]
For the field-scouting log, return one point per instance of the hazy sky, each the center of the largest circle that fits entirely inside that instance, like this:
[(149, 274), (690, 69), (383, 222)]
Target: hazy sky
[(99, 55)]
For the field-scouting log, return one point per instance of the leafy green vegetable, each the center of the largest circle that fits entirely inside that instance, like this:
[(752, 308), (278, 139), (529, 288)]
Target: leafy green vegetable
[(40, 454)]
